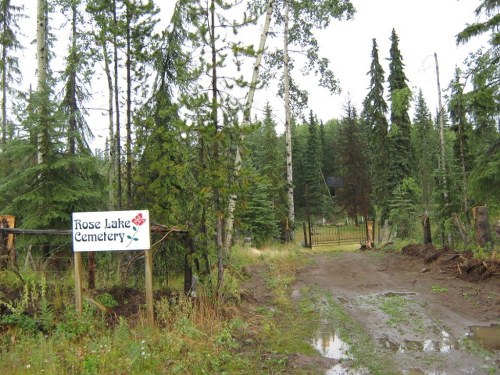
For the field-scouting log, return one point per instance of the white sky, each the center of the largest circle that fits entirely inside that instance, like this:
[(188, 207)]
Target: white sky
[(423, 27)]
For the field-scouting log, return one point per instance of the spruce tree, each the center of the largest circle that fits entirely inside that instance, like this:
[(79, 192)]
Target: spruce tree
[(10, 15), (400, 134), (425, 146), (353, 196), (76, 75), (313, 177), (463, 131), (374, 117), (49, 183)]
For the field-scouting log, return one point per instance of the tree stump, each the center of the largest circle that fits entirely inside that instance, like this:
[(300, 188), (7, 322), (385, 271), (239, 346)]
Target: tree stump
[(482, 226), (426, 226)]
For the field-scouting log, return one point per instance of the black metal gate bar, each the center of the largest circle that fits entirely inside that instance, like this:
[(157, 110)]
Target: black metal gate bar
[(325, 234)]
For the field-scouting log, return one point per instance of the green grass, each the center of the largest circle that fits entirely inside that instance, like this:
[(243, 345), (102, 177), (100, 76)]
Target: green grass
[(439, 289)]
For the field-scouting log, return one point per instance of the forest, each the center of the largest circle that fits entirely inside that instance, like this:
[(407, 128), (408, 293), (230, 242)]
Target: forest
[(184, 142)]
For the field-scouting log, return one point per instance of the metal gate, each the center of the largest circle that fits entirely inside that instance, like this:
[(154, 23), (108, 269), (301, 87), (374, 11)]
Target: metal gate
[(335, 234)]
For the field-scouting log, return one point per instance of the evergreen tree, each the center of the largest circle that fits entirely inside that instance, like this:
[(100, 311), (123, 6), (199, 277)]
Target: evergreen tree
[(258, 214), (490, 8), (10, 15), (166, 172), (49, 184), (313, 177), (483, 101), (400, 134), (139, 47), (403, 211), (374, 118), (299, 146), (77, 79), (425, 146), (462, 129), (353, 196), (269, 160)]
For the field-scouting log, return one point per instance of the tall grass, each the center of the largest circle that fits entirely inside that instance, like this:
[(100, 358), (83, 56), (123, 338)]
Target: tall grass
[(41, 332)]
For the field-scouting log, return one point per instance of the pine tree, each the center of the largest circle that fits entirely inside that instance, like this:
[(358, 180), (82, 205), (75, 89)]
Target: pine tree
[(400, 134)]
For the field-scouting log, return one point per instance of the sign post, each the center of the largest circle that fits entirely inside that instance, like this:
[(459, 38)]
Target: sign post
[(112, 231)]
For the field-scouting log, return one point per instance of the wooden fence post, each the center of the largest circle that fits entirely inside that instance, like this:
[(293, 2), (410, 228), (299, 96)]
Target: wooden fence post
[(148, 260), (369, 233), (305, 235), (78, 281)]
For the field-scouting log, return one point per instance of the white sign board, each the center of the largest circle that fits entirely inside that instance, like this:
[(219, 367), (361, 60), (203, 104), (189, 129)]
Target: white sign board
[(111, 230)]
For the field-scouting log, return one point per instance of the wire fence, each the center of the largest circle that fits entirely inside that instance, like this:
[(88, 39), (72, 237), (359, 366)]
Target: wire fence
[(49, 252)]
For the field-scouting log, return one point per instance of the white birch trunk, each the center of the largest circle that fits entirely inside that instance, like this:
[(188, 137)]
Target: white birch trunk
[(229, 223), (288, 127)]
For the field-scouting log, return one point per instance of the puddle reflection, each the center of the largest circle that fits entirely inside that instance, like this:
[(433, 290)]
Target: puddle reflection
[(331, 346), (444, 345), (341, 370)]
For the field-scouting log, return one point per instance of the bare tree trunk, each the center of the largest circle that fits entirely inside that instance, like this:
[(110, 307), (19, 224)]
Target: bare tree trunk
[(41, 46), (72, 86), (461, 231), (217, 199), (118, 154), (229, 223), (112, 164), (4, 76), (442, 149), (288, 127), (426, 227), (464, 175), (129, 116)]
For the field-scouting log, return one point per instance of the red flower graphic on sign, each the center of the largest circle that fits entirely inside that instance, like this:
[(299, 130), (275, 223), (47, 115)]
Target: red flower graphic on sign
[(137, 220)]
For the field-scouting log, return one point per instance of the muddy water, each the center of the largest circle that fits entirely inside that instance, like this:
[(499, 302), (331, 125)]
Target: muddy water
[(415, 329), (330, 345), (439, 343), (444, 345), (487, 337)]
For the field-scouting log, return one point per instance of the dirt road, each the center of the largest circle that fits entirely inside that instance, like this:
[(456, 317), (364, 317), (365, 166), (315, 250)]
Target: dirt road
[(425, 320)]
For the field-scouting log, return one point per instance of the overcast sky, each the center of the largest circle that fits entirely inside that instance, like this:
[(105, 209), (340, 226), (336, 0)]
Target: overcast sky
[(423, 27)]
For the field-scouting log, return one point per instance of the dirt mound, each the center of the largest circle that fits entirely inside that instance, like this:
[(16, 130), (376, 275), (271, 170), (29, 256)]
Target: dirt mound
[(462, 265)]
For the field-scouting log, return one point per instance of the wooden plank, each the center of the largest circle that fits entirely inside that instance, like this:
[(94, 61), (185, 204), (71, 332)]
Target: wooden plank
[(148, 257), (78, 281)]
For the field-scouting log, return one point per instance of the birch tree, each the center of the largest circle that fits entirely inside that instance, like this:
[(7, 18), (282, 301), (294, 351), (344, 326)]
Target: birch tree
[(300, 20), (305, 17)]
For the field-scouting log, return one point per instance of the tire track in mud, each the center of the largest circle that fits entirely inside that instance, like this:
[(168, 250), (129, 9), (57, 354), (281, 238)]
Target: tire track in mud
[(415, 314)]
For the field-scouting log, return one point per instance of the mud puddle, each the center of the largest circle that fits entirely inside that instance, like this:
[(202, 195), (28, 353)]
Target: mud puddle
[(330, 345), (486, 337), (421, 323)]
